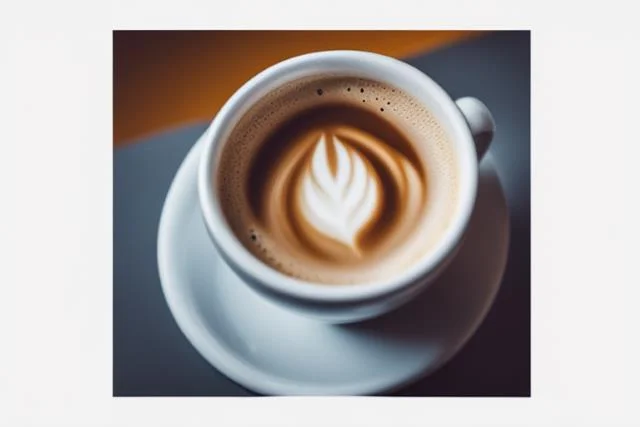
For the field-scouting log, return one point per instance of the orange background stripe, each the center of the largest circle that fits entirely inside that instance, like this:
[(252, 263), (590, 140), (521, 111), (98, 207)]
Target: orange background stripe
[(165, 78)]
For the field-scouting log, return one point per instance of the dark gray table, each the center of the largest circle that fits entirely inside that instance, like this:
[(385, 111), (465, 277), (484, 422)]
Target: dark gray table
[(151, 357)]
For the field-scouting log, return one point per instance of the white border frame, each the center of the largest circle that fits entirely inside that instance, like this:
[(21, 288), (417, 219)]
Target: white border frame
[(56, 238)]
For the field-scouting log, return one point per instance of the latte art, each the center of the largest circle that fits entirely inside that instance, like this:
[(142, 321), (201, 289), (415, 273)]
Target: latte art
[(332, 190), (338, 201), (337, 180)]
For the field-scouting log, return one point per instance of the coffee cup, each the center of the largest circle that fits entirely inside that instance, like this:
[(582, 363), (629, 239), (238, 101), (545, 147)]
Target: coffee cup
[(468, 125)]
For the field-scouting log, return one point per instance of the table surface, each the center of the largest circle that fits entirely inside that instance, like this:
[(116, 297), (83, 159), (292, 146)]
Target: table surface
[(144, 62), (151, 356)]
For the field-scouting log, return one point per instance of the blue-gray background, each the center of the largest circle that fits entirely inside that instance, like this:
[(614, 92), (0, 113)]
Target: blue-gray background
[(151, 357)]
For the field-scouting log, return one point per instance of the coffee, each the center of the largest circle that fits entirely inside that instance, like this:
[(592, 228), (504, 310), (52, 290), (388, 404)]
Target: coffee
[(338, 180)]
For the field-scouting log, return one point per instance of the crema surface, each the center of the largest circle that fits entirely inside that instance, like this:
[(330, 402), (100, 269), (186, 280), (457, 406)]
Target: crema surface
[(338, 180)]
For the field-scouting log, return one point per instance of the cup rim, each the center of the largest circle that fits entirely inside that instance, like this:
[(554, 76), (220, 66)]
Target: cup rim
[(309, 64)]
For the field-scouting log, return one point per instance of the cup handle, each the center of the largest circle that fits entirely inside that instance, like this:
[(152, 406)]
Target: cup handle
[(480, 122)]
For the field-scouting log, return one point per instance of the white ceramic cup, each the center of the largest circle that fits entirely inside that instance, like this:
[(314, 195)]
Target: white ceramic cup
[(469, 125)]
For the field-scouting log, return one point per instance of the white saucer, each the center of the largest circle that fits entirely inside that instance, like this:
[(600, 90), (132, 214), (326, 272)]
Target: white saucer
[(272, 351)]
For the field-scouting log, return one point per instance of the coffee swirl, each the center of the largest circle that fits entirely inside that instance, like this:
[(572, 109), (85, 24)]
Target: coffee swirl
[(338, 199), (332, 189)]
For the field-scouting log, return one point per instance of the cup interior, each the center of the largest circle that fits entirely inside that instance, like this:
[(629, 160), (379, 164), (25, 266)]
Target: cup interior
[(354, 64)]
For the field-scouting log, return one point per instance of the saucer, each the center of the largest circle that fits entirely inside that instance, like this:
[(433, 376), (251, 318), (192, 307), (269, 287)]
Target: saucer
[(270, 350)]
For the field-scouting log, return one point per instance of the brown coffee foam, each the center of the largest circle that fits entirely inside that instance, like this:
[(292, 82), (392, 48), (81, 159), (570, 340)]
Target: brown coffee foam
[(280, 246)]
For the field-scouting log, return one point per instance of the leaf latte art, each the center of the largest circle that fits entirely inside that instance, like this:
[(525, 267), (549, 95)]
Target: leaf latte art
[(339, 202), (342, 193)]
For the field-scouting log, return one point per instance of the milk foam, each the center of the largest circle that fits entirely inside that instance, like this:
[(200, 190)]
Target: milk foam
[(338, 204), (342, 205)]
